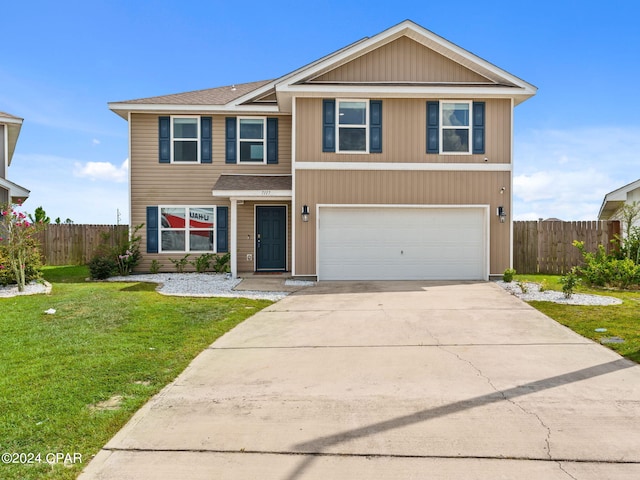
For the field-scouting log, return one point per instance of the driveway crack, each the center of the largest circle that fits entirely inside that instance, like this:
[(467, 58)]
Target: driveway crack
[(511, 401)]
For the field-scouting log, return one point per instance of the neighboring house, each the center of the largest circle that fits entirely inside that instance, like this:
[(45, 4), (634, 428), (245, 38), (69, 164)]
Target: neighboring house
[(9, 131), (613, 201), (391, 158)]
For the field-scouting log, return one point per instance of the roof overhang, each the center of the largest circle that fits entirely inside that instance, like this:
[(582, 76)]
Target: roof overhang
[(13, 124), (123, 109), (16, 192), (253, 187), (614, 200)]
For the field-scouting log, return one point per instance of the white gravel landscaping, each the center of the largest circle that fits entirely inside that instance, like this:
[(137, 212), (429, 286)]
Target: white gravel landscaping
[(533, 293), (32, 288), (199, 285)]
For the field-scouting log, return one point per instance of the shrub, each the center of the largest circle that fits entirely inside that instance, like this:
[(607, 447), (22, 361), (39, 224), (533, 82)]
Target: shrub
[(604, 270), (221, 264), (203, 262), (127, 251), (155, 266), (508, 274), (102, 266), (20, 260), (180, 263), (569, 282)]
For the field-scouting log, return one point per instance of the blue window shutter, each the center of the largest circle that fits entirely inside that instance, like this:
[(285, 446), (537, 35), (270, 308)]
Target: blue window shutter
[(478, 127), (272, 140), (152, 229), (222, 229), (375, 126), (433, 127), (328, 125), (164, 134), (205, 139), (230, 140)]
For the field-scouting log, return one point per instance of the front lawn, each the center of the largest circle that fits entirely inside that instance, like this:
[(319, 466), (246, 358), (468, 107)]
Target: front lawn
[(621, 321), (118, 343)]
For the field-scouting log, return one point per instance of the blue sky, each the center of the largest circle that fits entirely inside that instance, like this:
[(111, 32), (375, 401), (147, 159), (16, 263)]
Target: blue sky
[(62, 62)]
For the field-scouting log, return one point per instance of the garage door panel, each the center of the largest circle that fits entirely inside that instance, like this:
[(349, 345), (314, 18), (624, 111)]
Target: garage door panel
[(400, 243)]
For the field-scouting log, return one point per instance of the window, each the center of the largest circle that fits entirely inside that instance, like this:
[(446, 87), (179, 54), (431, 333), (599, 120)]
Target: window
[(185, 135), (251, 140), (456, 127), (352, 127), (187, 229)]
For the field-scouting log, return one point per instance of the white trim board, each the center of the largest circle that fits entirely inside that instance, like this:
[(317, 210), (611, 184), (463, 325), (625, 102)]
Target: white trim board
[(438, 167)]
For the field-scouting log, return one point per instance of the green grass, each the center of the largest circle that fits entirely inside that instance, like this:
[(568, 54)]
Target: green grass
[(105, 339), (620, 320)]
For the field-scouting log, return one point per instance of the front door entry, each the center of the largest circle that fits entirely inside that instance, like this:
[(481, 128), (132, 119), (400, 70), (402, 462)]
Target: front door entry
[(271, 238)]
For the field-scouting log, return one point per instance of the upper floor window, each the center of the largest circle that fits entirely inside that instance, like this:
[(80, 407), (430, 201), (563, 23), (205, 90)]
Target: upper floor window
[(185, 138), (352, 126), (251, 140), (456, 127)]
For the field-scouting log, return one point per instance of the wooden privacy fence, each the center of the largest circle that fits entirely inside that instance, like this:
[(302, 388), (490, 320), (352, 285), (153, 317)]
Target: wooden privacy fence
[(547, 246), (75, 244)]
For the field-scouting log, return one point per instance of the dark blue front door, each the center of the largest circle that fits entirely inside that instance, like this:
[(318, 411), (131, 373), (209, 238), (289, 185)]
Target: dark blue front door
[(271, 238)]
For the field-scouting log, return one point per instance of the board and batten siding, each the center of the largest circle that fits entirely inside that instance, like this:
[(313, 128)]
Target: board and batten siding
[(404, 134), (153, 183), (402, 60), (340, 187)]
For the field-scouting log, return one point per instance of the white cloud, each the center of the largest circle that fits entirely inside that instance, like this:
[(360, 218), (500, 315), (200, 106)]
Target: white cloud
[(105, 171), (566, 173), (95, 141)]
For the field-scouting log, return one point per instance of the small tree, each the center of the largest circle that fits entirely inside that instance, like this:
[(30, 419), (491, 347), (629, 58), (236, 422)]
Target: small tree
[(39, 216), (629, 213), (19, 254)]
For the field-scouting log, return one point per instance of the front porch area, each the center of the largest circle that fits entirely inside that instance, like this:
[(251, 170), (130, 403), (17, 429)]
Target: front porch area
[(259, 222)]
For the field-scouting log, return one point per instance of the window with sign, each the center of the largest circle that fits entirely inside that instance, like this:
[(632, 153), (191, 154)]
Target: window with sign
[(187, 229)]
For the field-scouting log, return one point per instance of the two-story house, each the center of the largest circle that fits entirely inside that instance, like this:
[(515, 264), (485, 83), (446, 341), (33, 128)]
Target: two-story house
[(391, 158), (10, 127)]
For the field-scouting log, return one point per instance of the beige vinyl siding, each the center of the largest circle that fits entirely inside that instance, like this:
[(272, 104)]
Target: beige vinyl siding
[(404, 130), (3, 160), (401, 188), (403, 60), (154, 183)]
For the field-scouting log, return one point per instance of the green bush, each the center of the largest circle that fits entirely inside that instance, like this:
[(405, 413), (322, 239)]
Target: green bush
[(155, 266), (508, 274), (221, 264), (20, 259), (604, 270), (203, 262), (102, 266), (180, 263), (569, 282)]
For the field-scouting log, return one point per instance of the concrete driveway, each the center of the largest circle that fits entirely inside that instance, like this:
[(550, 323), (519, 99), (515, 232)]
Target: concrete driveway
[(390, 380)]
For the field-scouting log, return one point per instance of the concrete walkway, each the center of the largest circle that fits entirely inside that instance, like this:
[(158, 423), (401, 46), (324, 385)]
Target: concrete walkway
[(390, 380)]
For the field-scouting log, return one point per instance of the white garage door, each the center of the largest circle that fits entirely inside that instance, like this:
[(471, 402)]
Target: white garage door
[(402, 243)]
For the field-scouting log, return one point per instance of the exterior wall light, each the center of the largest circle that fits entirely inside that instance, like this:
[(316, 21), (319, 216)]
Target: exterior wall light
[(502, 213), (305, 213)]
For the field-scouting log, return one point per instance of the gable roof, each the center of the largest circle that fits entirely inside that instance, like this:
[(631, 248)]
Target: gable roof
[(615, 199), (475, 78), (14, 124)]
